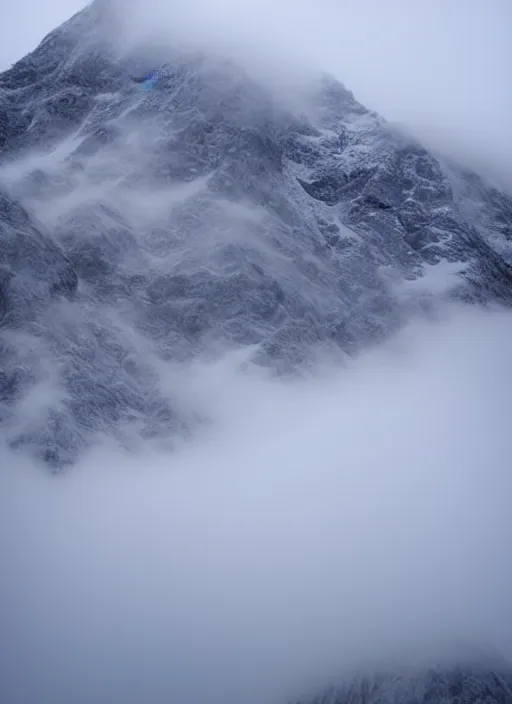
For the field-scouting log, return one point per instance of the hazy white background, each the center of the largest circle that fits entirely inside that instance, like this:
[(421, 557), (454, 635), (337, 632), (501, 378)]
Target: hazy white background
[(440, 66), (358, 516), (25, 22)]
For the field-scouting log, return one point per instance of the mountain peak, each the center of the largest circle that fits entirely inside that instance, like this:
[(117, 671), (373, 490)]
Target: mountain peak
[(215, 209)]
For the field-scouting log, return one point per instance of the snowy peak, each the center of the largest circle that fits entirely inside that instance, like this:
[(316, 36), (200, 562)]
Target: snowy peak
[(209, 212)]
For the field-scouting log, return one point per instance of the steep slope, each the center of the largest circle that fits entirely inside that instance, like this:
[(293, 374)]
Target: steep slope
[(143, 227)]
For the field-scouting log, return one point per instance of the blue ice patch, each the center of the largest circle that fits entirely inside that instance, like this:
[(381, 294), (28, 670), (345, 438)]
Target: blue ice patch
[(150, 80), (148, 85)]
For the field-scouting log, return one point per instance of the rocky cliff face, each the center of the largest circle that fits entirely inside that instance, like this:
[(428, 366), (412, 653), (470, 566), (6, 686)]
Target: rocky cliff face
[(201, 213)]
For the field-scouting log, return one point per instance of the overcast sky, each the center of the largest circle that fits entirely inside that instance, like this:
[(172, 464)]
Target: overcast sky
[(25, 22), (441, 66)]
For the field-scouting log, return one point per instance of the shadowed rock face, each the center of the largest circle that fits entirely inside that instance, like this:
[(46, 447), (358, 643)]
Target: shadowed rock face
[(34, 269), (140, 227)]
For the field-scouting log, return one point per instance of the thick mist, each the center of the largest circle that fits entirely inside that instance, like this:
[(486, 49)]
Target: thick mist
[(358, 516), (439, 68)]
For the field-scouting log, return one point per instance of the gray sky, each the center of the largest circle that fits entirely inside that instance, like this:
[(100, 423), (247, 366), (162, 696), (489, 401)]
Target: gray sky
[(25, 22), (440, 66)]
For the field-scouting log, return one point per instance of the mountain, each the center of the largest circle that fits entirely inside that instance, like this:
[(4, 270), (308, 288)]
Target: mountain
[(142, 228), (205, 214)]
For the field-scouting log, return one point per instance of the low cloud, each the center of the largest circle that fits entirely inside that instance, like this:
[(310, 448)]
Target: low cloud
[(357, 516), (441, 68)]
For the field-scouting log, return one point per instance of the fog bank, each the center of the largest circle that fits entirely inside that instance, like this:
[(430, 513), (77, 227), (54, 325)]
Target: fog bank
[(358, 515)]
